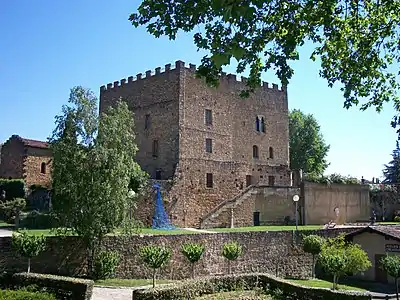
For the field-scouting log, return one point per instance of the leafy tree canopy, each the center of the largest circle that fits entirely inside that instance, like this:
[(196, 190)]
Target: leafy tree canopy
[(93, 166), (308, 149), (356, 41), (391, 172)]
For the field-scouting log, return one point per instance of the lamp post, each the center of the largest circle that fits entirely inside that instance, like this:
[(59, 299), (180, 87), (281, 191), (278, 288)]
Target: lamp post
[(296, 200)]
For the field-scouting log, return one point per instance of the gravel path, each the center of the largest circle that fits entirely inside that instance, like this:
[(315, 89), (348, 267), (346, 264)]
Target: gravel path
[(5, 232), (103, 293)]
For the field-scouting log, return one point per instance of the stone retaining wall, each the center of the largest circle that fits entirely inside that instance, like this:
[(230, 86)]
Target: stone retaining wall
[(275, 252)]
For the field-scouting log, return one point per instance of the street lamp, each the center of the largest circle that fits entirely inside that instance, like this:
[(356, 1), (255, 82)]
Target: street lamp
[(296, 200)]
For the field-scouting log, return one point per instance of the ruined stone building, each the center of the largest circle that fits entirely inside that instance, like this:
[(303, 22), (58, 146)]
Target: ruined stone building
[(212, 142), (26, 159)]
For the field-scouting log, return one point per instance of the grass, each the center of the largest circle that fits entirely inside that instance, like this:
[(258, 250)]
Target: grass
[(129, 282), (267, 228), (325, 284), (235, 296)]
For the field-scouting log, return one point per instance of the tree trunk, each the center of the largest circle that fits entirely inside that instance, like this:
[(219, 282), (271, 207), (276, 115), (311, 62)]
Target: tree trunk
[(229, 267), (193, 270), (154, 278), (334, 282), (29, 265), (396, 281)]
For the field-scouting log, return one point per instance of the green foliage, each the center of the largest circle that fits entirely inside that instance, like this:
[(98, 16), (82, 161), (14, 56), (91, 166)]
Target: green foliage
[(332, 178), (397, 219), (391, 264), (67, 288), (38, 220), (391, 172), (355, 42), (15, 188), (191, 289), (10, 209), (27, 245), (155, 257), (94, 167), (193, 253), (105, 263), (313, 244), (231, 251), (339, 258), (25, 295), (308, 149)]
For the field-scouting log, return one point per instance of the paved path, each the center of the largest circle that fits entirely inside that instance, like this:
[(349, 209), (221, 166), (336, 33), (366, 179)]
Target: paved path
[(5, 232), (103, 293), (198, 230)]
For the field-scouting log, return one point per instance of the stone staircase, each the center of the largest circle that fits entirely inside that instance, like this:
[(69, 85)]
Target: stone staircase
[(209, 220)]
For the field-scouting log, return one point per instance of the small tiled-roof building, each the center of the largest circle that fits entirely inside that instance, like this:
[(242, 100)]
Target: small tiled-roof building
[(27, 159), (377, 241)]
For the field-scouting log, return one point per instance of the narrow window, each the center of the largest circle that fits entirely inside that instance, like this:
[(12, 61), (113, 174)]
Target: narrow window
[(147, 121), (248, 180), (255, 151), (158, 174), (271, 180), (43, 168), (209, 180), (271, 152), (209, 145), (208, 117), (257, 124), (155, 148), (262, 124)]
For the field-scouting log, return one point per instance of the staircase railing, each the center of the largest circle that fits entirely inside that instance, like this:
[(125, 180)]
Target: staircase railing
[(226, 202)]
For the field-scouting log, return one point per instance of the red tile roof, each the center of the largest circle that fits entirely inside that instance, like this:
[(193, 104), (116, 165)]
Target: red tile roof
[(35, 143)]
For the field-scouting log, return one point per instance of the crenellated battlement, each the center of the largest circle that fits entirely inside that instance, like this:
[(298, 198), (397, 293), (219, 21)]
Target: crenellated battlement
[(231, 79)]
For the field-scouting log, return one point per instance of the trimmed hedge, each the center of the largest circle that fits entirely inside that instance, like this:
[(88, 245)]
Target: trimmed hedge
[(15, 188), (37, 220), (62, 287), (25, 295), (191, 289)]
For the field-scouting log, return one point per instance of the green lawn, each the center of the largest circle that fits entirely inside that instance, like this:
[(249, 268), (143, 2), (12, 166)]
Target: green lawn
[(129, 282), (4, 224), (324, 284), (266, 228), (245, 295)]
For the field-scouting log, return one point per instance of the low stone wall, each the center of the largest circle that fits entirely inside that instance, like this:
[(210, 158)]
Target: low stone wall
[(275, 252)]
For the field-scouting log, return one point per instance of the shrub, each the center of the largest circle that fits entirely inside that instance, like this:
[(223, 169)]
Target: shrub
[(28, 245), (25, 295), (37, 220), (62, 287), (397, 218), (391, 264), (193, 253), (279, 288), (231, 251), (155, 257), (15, 188), (105, 263), (313, 244), (11, 209)]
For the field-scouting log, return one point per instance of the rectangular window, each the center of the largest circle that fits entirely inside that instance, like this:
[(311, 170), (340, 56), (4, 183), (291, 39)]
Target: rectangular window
[(155, 148), (209, 180), (271, 180), (208, 117), (147, 121), (209, 145)]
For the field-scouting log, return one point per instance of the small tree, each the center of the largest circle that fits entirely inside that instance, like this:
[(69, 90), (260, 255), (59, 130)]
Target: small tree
[(391, 264), (155, 257), (231, 251), (339, 258), (28, 245), (105, 263), (313, 244), (193, 253)]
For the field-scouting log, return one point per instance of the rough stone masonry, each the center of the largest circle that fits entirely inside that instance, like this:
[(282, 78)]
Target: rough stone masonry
[(210, 141)]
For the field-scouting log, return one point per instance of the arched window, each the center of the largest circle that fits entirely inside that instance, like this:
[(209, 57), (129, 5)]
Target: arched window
[(43, 168), (271, 152), (262, 124), (255, 151), (257, 124)]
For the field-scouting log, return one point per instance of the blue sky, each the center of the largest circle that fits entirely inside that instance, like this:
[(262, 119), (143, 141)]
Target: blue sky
[(50, 46)]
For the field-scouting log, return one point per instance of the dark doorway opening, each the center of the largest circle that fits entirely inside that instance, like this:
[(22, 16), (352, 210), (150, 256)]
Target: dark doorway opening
[(158, 174), (248, 180), (256, 218)]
